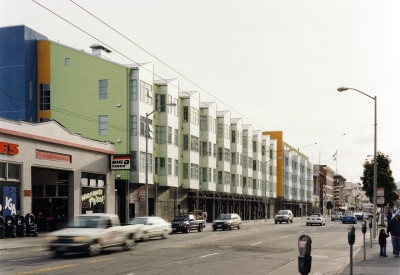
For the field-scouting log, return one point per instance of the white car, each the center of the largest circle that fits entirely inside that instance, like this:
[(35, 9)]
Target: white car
[(316, 219), (149, 227)]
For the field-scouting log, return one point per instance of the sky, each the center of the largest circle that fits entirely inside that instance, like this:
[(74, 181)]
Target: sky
[(276, 64)]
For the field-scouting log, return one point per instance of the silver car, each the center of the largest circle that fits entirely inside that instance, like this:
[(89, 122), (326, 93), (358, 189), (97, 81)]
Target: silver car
[(148, 227), (336, 215), (284, 216)]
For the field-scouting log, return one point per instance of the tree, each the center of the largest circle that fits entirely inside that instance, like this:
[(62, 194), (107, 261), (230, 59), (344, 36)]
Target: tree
[(384, 178), (329, 205)]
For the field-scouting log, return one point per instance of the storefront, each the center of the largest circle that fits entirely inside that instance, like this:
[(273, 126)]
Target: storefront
[(53, 173)]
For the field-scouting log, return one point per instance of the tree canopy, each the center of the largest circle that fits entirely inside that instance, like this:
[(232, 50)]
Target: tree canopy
[(329, 205), (384, 178)]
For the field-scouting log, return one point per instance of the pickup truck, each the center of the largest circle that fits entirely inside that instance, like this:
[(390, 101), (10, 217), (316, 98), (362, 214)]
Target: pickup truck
[(186, 222), (90, 233)]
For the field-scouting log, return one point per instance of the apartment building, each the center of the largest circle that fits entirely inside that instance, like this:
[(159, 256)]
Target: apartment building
[(339, 191), (325, 181)]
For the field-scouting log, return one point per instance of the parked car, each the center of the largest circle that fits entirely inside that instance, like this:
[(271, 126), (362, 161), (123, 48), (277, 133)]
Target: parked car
[(349, 218), (336, 215), (359, 215), (90, 233), (186, 223), (284, 216), (149, 227), (365, 215), (316, 219), (227, 221)]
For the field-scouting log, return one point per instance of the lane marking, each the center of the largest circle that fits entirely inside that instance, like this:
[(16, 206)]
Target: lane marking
[(25, 259), (256, 243), (100, 260), (40, 271), (208, 255)]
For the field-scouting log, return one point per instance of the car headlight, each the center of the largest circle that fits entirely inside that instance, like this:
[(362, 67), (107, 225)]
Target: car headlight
[(79, 239), (51, 238)]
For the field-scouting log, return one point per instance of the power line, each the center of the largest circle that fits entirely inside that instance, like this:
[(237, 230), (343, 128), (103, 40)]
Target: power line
[(141, 65)]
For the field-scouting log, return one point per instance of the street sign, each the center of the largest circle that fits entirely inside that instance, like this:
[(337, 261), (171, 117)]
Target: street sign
[(380, 200), (380, 192), (142, 194)]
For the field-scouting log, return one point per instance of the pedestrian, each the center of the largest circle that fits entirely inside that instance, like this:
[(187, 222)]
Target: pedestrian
[(389, 215), (394, 230), (204, 216), (382, 242)]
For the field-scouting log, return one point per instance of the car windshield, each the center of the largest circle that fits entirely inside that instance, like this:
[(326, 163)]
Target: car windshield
[(314, 215), (336, 213), (349, 215), (180, 219), (282, 213), (138, 221), (86, 222), (224, 217)]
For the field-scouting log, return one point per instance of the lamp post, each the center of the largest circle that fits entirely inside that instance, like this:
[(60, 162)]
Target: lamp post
[(375, 164), (265, 197), (147, 149)]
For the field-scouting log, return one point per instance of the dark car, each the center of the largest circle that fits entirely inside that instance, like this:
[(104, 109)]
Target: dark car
[(186, 223), (349, 218), (227, 221), (359, 215)]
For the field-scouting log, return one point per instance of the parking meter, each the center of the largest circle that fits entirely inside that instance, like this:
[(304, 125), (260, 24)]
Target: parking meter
[(304, 260), (351, 234), (364, 227), (370, 236), (370, 223)]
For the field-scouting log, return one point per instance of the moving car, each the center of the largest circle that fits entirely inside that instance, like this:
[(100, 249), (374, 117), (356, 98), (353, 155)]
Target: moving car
[(186, 223), (349, 218), (227, 221), (365, 215), (316, 219), (284, 216), (336, 215), (359, 215), (149, 227), (90, 233)]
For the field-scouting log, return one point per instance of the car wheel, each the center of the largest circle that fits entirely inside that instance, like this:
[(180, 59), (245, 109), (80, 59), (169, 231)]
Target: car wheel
[(58, 253), (94, 249), (129, 243), (332, 219), (307, 223), (291, 220), (238, 227), (200, 229), (280, 222), (342, 221), (214, 229), (276, 222), (231, 227), (187, 229)]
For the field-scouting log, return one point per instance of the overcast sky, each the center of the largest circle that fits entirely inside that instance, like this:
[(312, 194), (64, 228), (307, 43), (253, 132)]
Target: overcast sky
[(277, 64)]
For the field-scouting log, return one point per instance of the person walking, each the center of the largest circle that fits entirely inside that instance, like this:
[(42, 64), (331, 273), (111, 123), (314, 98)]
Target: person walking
[(389, 215), (394, 230), (382, 242), (204, 214)]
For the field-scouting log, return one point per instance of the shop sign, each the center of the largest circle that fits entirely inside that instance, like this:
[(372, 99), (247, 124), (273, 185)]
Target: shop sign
[(8, 205), (120, 162), (27, 193), (52, 156), (8, 148), (94, 197)]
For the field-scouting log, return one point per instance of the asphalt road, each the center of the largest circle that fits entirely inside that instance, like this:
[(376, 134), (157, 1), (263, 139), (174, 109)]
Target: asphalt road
[(256, 248)]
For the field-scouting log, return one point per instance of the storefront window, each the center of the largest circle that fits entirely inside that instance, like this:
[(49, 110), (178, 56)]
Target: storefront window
[(9, 204), (93, 196), (37, 191), (2, 170), (51, 190), (13, 171), (62, 190)]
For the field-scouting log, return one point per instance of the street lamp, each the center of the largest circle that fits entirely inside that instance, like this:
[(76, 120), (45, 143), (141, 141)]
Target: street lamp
[(265, 197), (147, 149), (375, 164)]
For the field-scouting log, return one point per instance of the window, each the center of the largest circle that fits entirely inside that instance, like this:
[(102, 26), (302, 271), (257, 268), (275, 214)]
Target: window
[(237, 158), (271, 154), (254, 184), (209, 148), (160, 166), (227, 178), (146, 93), (241, 181), (210, 124), (185, 171), (143, 125), (133, 128), (133, 89), (176, 107), (214, 175), (203, 149), (169, 167), (194, 171), (170, 107), (254, 165), (263, 150), (194, 143), (203, 123), (227, 132), (241, 159), (185, 142), (67, 61), (233, 179), (160, 134), (255, 146), (233, 158), (220, 130), (176, 137), (160, 103), (103, 125), (194, 118), (245, 142), (209, 174), (233, 135), (103, 89), (244, 162), (150, 163), (176, 168), (215, 150), (219, 153), (44, 96), (169, 135), (244, 182), (134, 161), (185, 114), (219, 177), (142, 162), (227, 154), (204, 176)]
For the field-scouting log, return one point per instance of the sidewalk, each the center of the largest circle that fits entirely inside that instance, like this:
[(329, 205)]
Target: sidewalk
[(23, 242), (373, 264)]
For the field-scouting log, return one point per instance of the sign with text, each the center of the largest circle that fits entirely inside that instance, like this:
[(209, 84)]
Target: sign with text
[(120, 162), (380, 200), (380, 192), (8, 148), (142, 194)]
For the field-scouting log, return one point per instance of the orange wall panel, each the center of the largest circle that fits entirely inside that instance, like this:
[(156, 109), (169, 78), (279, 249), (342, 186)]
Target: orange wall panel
[(43, 52), (278, 135)]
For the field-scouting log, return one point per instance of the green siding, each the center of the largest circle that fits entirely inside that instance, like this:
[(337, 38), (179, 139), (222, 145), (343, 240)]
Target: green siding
[(75, 99)]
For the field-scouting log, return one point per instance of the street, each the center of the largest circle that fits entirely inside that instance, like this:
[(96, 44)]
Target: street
[(256, 248)]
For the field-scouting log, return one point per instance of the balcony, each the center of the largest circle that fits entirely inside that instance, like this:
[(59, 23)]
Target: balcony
[(236, 190), (190, 184), (224, 188), (257, 192), (209, 186), (247, 191)]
